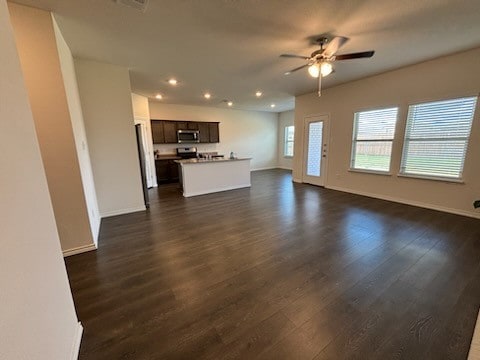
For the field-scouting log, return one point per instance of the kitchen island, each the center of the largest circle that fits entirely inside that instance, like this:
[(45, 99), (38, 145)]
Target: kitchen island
[(205, 176)]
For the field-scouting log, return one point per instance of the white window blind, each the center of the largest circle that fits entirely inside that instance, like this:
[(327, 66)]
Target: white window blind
[(289, 137), (373, 133), (436, 138)]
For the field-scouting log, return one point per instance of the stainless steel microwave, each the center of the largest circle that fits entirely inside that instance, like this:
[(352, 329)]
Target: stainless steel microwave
[(188, 136)]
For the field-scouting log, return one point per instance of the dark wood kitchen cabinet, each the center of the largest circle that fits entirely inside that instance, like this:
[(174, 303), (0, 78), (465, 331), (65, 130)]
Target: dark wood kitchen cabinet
[(203, 132), (192, 125), (167, 171), (157, 132), (165, 131), (182, 125), (170, 132), (187, 125), (214, 135)]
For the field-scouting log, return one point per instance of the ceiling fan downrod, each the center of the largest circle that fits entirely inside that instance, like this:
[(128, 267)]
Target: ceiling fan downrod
[(320, 85)]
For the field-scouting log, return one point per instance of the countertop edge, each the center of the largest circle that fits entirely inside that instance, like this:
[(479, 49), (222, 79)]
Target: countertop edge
[(197, 161)]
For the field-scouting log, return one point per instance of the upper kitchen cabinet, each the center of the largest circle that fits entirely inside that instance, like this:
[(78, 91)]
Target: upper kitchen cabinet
[(193, 125), (182, 125), (170, 130), (204, 132), (165, 131), (157, 132), (214, 136)]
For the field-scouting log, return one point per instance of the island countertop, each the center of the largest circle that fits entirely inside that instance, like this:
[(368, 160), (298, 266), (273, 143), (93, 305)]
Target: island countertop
[(208, 161), (204, 176), (167, 157)]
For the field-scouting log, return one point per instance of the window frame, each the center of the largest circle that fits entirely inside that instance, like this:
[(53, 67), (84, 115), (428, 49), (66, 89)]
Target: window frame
[(353, 154), (406, 140), (286, 141)]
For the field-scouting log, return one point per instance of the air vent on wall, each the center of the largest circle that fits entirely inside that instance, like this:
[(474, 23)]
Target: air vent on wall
[(136, 4)]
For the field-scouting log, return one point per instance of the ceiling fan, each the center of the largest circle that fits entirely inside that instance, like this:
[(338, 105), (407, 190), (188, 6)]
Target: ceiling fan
[(320, 61)]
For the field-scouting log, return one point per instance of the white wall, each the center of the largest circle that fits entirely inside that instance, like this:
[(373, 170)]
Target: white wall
[(37, 49), (140, 106), (447, 77), (81, 143), (246, 133), (285, 118), (37, 315), (107, 111)]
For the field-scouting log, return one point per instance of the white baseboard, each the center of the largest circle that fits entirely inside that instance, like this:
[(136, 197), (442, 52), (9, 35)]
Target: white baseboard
[(76, 342), (297, 180), (79, 250), (196, 193), (97, 232), (122, 211), (408, 202), (264, 168)]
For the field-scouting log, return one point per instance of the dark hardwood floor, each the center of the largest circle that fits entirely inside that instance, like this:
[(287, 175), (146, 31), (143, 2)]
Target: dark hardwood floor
[(279, 271)]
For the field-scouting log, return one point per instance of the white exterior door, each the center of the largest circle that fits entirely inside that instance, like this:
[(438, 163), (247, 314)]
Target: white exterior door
[(315, 150)]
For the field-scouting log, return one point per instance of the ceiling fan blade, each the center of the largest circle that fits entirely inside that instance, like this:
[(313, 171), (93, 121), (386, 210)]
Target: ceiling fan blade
[(295, 56), (359, 55), (333, 45), (296, 69)]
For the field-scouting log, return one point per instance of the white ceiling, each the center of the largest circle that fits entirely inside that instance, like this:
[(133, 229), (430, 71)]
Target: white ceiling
[(231, 48)]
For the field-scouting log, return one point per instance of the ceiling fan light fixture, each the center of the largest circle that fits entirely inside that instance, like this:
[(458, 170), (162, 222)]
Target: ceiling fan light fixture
[(326, 68), (314, 70), (319, 63)]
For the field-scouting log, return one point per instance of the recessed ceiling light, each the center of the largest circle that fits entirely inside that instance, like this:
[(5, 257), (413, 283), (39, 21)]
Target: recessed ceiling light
[(207, 95), (173, 81), (258, 94), (158, 96), (272, 105), (229, 103)]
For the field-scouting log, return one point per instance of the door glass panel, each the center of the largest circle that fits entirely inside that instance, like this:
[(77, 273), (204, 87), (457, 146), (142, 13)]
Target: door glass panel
[(314, 156)]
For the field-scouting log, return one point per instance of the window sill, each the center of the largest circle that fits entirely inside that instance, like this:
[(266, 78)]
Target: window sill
[(434, 178), (374, 172), (287, 157)]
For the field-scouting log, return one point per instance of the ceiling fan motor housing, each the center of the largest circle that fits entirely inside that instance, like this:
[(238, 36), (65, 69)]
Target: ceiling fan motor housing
[(322, 41)]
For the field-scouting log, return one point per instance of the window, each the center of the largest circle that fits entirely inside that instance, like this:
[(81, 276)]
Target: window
[(373, 133), (436, 138), (289, 136)]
